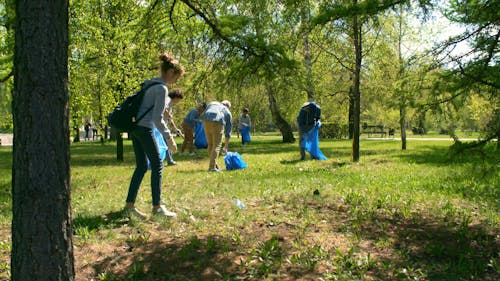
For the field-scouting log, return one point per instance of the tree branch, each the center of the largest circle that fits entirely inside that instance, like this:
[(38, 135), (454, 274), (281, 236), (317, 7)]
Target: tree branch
[(214, 26), (170, 16), (332, 54), (10, 74)]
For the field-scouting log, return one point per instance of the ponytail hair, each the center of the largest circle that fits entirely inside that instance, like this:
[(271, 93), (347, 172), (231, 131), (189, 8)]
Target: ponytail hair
[(168, 62), (176, 93)]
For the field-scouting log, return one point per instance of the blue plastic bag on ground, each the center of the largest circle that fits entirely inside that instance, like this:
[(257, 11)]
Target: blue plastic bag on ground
[(200, 140), (245, 134), (234, 161), (310, 142), (162, 146)]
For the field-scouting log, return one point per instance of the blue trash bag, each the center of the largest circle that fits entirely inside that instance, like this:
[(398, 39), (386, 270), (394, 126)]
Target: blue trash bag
[(234, 161), (311, 143), (200, 140), (245, 134), (162, 146)]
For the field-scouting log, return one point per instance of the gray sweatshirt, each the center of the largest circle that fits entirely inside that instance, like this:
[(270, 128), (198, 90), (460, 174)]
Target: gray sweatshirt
[(156, 96), (244, 121)]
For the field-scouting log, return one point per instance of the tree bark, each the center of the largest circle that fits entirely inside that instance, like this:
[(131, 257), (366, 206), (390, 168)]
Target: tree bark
[(351, 112), (402, 94), (119, 147), (283, 126), (306, 15), (356, 86), (42, 247)]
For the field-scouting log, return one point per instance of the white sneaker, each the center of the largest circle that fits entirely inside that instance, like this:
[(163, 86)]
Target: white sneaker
[(133, 213), (162, 211)]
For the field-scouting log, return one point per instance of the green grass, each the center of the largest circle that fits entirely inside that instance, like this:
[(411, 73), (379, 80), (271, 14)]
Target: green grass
[(420, 214)]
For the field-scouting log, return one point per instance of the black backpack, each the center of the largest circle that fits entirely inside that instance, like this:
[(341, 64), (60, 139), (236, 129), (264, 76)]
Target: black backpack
[(124, 117)]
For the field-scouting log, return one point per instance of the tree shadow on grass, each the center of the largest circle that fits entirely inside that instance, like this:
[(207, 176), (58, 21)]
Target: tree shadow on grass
[(439, 155), (91, 223), (196, 258), (437, 250), (419, 247)]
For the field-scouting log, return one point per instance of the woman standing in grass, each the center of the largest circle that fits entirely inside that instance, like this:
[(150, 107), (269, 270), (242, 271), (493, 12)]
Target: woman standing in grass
[(153, 107), (217, 121)]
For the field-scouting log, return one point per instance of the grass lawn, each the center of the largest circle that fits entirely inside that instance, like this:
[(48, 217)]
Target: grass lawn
[(420, 214)]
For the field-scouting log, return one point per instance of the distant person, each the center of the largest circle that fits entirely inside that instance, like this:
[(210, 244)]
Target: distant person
[(217, 121), (153, 107), (189, 125), (309, 123), (94, 132), (87, 130), (244, 126), (175, 96)]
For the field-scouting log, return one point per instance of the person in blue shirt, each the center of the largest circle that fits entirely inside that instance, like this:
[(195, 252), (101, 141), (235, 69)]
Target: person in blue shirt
[(188, 126), (217, 121)]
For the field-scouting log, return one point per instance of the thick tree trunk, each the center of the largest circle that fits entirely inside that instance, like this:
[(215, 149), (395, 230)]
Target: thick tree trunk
[(356, 86), (42, 247), (283, 126)]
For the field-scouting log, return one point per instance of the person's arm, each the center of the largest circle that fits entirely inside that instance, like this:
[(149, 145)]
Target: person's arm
[(160, 94), (171, 121), (228, 127)]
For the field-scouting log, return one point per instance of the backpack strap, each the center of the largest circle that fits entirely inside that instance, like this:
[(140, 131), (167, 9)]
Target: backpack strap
[(145, 89)]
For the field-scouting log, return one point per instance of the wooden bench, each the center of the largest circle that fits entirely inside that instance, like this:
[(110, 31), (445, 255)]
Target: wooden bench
[(375, 130)]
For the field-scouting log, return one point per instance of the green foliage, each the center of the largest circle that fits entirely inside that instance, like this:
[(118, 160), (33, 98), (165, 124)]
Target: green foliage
[(334, 131)]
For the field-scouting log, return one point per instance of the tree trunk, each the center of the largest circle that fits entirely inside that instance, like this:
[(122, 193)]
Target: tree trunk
[(42, 247), (402, 95), (283, 126), (356, 86), (307, 53), (119, 147), (402, 120), (308, 64), (76, 130), (351, 112)]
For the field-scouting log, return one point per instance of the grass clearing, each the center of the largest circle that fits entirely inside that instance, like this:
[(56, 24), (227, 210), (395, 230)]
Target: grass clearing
[(420, 214)]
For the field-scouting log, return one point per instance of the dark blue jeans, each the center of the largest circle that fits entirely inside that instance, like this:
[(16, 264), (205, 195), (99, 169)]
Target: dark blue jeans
[(145, 147)]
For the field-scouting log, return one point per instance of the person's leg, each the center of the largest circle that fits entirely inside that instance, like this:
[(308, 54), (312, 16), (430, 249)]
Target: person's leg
[(190, 139), (301, 146), (208, 127), (150, 147), (185, 141), (170, 158), (141, 167), (217, 142)]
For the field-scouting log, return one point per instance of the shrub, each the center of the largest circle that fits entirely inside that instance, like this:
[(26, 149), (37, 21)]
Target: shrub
[(334, 131)]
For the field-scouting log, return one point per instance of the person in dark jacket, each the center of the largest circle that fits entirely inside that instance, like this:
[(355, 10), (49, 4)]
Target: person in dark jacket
[(309, 122)]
